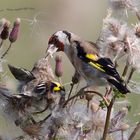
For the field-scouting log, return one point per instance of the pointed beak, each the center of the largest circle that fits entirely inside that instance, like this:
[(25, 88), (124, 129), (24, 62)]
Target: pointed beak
[(51, 50)]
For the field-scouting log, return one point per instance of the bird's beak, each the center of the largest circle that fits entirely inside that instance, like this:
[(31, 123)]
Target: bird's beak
[(51, 50)]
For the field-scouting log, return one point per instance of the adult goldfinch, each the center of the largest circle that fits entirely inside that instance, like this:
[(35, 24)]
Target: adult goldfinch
[(84, 55)]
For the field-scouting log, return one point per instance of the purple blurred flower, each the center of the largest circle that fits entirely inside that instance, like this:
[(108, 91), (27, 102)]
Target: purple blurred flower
[(5, 31), (14, 33), (58, 66)]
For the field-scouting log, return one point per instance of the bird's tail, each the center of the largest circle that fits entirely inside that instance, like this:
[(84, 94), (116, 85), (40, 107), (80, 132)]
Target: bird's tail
[(123, 89)]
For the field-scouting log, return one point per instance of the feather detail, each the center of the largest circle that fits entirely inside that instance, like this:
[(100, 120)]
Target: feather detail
[(118, 85), (97, 66), (109, 68), (92, 56)]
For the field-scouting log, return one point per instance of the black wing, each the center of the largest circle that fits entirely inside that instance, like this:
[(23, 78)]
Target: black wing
[(109, 68), (21, 74)]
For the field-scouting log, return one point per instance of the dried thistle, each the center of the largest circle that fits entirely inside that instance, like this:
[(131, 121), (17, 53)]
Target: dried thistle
[(13, 36), (137, 30), (121, 6)]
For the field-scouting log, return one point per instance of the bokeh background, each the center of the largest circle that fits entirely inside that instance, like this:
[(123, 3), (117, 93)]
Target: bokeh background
[(40, 19)]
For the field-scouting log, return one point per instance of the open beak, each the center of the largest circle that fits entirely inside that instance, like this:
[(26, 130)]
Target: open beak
[(51, 50)]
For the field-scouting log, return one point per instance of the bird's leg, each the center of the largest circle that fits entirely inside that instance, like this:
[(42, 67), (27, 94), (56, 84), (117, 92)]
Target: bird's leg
[(130, 75)]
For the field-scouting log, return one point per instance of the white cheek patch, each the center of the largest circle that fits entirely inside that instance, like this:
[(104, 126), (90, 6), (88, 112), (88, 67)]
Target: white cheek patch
[(61, 36)]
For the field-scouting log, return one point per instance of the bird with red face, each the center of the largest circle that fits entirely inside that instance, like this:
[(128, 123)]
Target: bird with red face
[(84, 56)]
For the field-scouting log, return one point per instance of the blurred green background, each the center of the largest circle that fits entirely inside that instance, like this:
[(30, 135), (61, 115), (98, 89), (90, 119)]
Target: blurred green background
[(40, 19)]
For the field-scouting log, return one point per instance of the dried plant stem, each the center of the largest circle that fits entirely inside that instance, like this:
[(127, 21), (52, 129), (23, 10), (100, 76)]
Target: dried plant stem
[(39, 112), (72, 85), (131, 137), (125, 70), (99, 94), (60, 81), (71, 98), (75, 100), (138, 15), (17, 9), (130, 75), (88, 102), (122, 135), (6, 52), (1, 43), (79, 93), (42, 121), (109, 109)]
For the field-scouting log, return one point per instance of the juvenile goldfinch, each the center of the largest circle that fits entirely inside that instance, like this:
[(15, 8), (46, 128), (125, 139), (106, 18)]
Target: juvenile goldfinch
[(37, 82), (84, 55)]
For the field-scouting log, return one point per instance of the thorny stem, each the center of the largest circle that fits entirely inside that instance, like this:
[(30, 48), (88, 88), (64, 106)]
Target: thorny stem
[(131, 137), (109, 109), (3, 55)]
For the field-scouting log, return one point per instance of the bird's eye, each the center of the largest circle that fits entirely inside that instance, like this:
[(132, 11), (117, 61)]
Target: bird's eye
[(53, 40), (40, 89)]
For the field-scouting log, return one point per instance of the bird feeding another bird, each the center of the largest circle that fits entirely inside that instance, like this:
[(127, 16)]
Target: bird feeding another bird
[(85, 57)]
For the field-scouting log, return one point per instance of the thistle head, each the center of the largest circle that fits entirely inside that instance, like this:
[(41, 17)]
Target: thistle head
[(58, 66), (14, 33), (5, 32)]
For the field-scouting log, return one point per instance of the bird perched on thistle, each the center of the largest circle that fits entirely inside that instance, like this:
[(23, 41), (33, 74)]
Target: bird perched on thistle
[(84, 55)]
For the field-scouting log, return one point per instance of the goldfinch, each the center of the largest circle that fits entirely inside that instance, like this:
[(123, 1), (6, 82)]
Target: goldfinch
[(37, 82), (84, 55)]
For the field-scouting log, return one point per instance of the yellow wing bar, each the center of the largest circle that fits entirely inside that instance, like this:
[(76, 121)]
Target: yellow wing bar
[(97, 66), (92, 56)]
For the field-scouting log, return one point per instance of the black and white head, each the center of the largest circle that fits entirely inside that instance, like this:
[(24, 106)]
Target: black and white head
[(58, 41)]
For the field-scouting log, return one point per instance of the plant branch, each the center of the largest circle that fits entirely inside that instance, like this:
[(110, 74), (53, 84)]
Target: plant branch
[(131, 137), (6, 52), (79, 93), (109, 109), (1, 43), (125, 70), (72, 85), (130, 75)]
